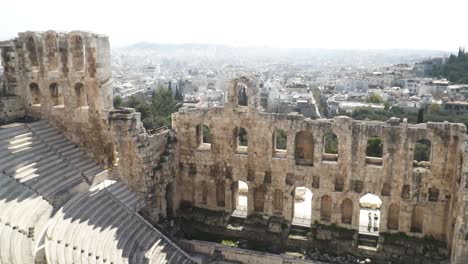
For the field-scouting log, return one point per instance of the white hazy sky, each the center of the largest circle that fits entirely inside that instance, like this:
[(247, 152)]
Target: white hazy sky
[(362, 24)]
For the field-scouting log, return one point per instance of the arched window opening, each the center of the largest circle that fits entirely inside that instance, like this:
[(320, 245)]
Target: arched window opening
[(32, 51), (347, 211), (386, 188), (422, 153), (302, 207), (417, 220), (241, 140), (369, 214), (35, 94), (56, 96), (240, 191), (393, 220), (304, 148), (77, 53), (374, 151), (325, 208), (242, 98), (433, 195), (278, 202), (206, 135), (80, 95), (330, 147), (259, 199), (280, 140), (51, 51)]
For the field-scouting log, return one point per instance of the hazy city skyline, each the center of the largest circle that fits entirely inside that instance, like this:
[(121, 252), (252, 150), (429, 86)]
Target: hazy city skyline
[(285, 24)]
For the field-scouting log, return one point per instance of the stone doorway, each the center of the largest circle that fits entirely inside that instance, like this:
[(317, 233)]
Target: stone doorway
[(240, 199), (369, 221), (302, 207)]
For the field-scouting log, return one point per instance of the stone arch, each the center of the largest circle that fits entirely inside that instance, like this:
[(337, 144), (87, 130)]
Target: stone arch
[(80, 95), (206, 135), (32, 51), (393, 220), (51, 50), (239, 199), (279, 143), (35, 93), (304, 148), (347, 211), (417, 219), (241, 140), (386, 188), (325, 208), (369, 214), (77, 50), (56, 96), (242, 97), (302, 206)]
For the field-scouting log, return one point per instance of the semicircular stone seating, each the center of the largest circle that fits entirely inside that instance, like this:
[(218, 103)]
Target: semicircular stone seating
[(101, 226), (45, 189)]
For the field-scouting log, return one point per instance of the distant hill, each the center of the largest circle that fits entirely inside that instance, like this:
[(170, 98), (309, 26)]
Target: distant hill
[(455, 69), (250, 56)]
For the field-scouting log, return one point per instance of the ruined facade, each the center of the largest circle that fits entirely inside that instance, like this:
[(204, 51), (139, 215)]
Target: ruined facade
[(421, 199), (196, 167), (65, 78)]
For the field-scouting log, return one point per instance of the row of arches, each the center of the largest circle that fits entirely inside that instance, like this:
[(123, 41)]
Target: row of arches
[(369, 214), (304, 145), (76, 45), (55, 94)]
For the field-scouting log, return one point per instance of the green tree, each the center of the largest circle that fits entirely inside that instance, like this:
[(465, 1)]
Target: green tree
[(374, 147), (422, 150), (118, 102), (434, 108), (158, 112), (206, 134), (331, 143), (455, 69), (243, 137), (421, 116), (374, 98), (178, 95), (281, 139), (163, 104)]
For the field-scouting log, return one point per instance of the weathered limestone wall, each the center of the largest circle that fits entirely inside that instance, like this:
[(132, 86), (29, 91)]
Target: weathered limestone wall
[(147, 163), (11, 109), (64, 78), (394, 177)]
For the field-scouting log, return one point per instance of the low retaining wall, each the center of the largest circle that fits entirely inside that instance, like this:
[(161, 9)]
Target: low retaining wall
[(245, 256)]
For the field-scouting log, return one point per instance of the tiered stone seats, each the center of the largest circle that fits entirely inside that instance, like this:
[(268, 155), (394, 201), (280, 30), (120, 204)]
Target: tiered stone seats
[(102, 227), (39, 170), (42, 174), (22, 213)]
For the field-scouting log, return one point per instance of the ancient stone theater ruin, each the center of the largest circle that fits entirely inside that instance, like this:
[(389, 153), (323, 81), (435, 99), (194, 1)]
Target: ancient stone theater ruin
[(84, 182)]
